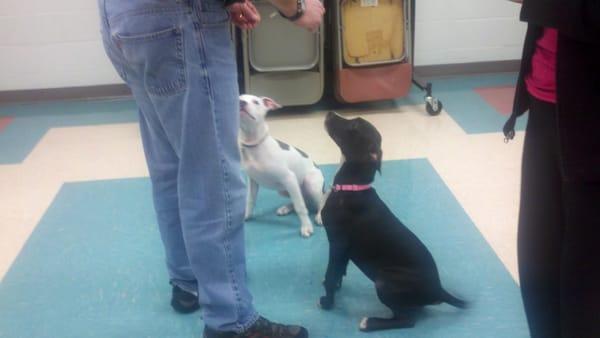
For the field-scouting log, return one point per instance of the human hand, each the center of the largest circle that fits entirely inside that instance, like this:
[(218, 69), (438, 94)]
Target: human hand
[(244, 15), (310, 19), (313, 15)]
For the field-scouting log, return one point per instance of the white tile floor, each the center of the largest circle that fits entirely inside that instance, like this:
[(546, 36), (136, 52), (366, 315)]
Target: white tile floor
[(481, 170)]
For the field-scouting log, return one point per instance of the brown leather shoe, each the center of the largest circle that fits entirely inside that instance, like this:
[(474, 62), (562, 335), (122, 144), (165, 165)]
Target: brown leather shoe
[(263, 328)]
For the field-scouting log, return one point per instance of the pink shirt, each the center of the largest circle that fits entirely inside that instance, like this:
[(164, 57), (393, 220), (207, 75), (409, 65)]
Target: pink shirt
[(541, 82)]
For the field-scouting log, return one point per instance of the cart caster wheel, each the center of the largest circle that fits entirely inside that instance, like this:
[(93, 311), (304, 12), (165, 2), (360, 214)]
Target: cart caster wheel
[(433, 106)]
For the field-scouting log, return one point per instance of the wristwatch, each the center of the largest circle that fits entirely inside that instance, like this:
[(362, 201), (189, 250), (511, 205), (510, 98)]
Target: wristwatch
[(300, 8), (228, 3)]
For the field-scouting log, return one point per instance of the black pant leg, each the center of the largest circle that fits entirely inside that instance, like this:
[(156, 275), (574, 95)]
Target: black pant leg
[(541, 223), (580, 269)]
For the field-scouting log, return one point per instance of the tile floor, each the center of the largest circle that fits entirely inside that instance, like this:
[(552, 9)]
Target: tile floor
[(80, 255)]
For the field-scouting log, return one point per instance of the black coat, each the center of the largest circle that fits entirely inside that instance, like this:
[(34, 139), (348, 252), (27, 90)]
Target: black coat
[(577, 80)]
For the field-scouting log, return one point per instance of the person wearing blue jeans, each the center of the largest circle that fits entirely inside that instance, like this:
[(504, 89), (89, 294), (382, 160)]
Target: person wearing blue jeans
[(178, 59)]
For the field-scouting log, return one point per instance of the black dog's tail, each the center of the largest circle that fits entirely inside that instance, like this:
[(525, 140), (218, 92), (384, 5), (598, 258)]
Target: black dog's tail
[(450, 299)]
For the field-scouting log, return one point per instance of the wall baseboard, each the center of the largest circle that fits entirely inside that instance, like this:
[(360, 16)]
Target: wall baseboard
[(508, 66), (62, 94), (121, 90)]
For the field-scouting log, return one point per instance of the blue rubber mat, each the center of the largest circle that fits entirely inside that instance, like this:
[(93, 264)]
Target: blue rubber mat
[(94, 268)]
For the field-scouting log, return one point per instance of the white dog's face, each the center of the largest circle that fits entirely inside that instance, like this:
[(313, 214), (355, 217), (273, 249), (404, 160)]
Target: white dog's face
[(254, 109)]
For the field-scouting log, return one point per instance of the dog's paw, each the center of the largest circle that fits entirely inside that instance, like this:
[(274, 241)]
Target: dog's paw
[(306, 230), (285, 210), (319, 219), (326, 303), (364, 324)]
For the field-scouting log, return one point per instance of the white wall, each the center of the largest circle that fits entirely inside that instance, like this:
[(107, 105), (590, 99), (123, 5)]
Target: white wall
[(460, 31), (51, 44), (56, 43)]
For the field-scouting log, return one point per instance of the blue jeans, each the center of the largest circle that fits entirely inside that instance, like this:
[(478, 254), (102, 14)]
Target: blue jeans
[(177, 58)]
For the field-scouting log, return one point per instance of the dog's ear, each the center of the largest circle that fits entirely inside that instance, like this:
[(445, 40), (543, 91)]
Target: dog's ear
[(377, 156), (270, 103)]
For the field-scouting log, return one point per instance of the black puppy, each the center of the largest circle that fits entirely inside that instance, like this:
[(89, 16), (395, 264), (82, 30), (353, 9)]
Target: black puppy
[(361, 228)]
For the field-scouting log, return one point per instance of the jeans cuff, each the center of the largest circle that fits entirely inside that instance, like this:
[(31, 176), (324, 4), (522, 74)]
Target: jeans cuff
[(252, 319), (187, 286)]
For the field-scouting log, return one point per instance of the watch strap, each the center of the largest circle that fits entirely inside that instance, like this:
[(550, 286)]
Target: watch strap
[(299, 11)]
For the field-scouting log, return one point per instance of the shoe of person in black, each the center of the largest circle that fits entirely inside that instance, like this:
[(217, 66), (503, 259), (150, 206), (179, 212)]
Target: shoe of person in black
[(263, 328), (183, 301)]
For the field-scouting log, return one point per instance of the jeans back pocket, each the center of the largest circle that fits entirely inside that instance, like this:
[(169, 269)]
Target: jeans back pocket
[(157, 59)]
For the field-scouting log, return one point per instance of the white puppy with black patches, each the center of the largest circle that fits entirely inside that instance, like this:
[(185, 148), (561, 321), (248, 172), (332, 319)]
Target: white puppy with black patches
[(275, 165)]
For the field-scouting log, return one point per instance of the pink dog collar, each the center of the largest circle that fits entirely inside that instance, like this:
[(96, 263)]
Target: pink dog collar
[(351, 187)]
